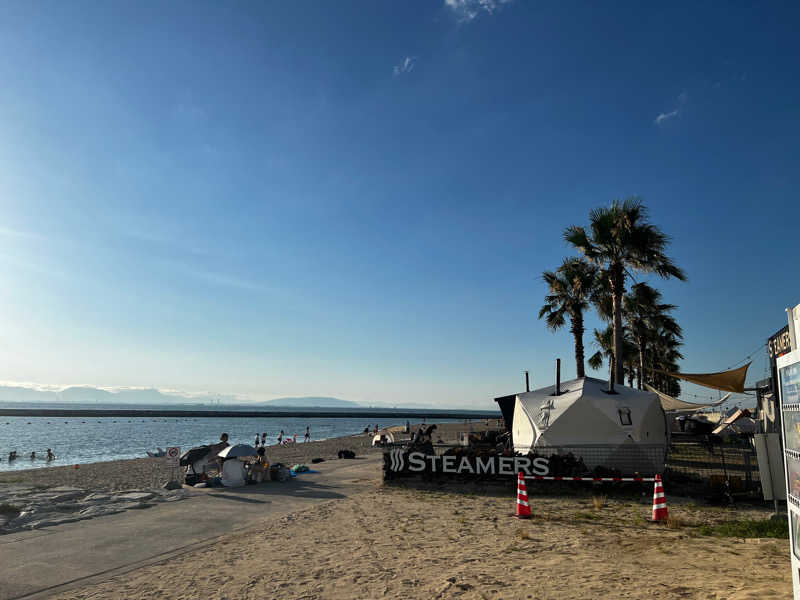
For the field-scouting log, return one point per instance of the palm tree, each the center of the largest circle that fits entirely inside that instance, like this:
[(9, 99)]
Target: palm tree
[(646, 318), (621, 240), (570, 291), (664, 356), (604, 341)]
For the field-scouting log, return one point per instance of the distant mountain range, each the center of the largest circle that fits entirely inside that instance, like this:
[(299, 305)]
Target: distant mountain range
[(84, 394), (88, 394)]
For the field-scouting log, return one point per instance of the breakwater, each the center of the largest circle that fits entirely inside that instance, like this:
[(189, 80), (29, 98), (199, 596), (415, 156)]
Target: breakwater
[(250, 414)]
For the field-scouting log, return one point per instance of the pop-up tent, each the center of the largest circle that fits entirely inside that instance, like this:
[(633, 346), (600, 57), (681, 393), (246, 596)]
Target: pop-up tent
[(625, 431), (383, 437)]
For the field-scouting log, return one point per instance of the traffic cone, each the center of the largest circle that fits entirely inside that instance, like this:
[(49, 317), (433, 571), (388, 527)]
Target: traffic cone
[(523, 508), (660, 512)]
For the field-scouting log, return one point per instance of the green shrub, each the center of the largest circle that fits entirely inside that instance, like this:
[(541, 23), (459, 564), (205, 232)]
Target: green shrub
[(750, 528)]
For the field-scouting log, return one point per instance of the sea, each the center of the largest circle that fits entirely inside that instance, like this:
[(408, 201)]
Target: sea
[(81, 440)]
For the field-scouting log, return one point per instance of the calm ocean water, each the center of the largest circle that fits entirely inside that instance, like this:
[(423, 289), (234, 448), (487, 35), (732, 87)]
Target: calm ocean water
[(86, 440)]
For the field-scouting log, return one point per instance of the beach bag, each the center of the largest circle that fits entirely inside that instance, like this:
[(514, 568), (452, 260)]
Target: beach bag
[(193, 478), (279, 472), (347, 454), (315, 461)]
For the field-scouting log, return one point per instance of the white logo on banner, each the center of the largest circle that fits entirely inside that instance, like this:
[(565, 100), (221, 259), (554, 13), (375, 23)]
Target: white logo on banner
[(504, 465), (396, 459)]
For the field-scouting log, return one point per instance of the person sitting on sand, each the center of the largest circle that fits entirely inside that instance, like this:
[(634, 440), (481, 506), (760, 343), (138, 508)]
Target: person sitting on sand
[(260, 468), (233, 473)]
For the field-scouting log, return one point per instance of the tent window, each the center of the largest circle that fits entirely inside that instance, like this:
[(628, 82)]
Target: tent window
[(625, 416)]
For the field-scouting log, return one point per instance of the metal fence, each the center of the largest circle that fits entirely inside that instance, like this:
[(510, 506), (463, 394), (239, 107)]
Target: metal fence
[(594, 459), (735, 467), (691, 465)]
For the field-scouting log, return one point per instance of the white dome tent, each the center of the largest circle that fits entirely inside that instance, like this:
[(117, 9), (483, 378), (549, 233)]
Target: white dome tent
[(625, 431)]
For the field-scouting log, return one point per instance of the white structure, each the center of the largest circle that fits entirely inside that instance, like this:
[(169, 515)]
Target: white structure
[(626, 430), (789, 388), (383, 437)]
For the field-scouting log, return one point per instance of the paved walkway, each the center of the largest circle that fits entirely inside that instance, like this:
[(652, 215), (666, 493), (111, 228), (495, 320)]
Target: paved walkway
[(37, 564)]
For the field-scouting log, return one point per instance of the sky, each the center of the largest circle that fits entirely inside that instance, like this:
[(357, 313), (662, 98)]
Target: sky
[(357, 199)]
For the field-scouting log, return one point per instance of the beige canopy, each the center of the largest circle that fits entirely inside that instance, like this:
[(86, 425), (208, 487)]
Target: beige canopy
[(726, 381), (668, 403)]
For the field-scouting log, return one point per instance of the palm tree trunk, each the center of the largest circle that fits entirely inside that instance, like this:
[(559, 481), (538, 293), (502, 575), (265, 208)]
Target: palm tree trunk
[(611, 369), (617, 289), (577, 332), (641, 363)]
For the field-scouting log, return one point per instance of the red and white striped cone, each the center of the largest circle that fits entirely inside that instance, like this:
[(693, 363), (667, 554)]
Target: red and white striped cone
[(660, 512), (523, 508)]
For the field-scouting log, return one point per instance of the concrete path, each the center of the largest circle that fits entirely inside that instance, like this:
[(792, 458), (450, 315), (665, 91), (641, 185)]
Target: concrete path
[(37, 564)]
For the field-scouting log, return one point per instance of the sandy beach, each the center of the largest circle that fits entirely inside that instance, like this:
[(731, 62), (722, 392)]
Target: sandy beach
[(151, 472), (450, 541), (412, 543)]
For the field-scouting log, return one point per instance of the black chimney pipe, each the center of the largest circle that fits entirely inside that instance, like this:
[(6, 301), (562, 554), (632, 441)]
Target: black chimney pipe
[(558, 377), (527, 383)]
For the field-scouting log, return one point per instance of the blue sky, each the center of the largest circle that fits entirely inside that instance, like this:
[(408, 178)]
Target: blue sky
[(358, 198)]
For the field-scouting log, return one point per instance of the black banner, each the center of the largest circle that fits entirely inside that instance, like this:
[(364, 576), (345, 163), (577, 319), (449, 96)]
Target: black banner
[(399, 463)]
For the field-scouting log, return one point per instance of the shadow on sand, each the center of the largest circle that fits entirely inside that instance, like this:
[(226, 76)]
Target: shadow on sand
[(299, 487)]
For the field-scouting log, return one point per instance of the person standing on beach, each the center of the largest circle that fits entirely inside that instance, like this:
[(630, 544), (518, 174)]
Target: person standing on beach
[(264, 439), (280, 437), (308, 435), (255, 445), (217, 448), (419, 436)]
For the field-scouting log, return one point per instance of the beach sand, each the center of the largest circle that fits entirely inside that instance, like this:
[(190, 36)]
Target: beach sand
[(450, 541), (415, 543), (143, 473)]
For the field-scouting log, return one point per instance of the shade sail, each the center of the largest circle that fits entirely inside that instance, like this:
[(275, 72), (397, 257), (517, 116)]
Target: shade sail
[(726, 381), (670, 403)]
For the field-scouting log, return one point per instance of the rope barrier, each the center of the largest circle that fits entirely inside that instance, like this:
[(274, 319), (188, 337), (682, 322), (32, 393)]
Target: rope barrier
[(565, 478)]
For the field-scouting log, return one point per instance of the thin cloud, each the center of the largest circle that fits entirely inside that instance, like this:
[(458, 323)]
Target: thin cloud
[(683, 97), (466, 10), (406, 66), (666, 116)]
